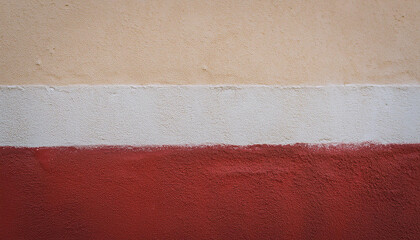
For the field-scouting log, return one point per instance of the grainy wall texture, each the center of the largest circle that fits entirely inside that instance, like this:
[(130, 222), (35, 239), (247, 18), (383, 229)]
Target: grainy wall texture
[(240, 115), (225, 119), (311, 42), (218, 192)]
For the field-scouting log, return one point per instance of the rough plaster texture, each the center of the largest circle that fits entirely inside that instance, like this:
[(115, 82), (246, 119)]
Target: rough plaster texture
[(160, 115), (312, 42), (217, 192)]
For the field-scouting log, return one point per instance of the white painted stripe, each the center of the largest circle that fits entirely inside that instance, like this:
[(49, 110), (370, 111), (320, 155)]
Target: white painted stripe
[(160, 115)]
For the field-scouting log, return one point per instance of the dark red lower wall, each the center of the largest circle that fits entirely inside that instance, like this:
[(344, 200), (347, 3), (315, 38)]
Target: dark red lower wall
[(212, 192)]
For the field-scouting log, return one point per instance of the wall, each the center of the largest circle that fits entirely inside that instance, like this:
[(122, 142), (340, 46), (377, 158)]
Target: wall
[(209, 42), (39, 116), (209, 119), (210, 192)]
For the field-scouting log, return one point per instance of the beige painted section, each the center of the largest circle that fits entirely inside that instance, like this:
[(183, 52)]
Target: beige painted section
[(209, 42)]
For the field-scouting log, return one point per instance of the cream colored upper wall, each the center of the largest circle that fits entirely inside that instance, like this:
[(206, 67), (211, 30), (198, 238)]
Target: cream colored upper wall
[(209, 42)]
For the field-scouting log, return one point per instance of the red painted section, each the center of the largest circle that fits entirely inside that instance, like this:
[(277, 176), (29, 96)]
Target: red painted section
[(217, 192)]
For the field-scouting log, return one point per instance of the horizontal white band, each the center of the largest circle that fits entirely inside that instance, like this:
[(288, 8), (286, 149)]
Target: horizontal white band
[(240, 115)]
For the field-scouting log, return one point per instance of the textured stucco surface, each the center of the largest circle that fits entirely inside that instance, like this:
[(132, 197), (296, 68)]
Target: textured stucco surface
[(311, 42), (217, 192), (159, 115)]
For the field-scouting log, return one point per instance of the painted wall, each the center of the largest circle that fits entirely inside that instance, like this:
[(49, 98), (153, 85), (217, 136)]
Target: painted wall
[(114, 159), (39, 116), (209, 42), (217, 192)]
